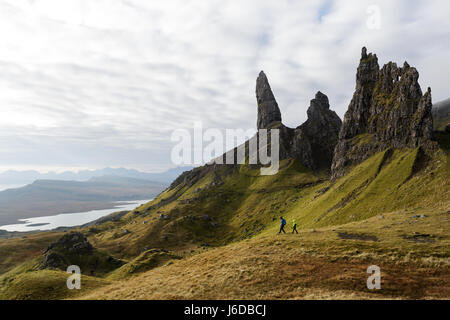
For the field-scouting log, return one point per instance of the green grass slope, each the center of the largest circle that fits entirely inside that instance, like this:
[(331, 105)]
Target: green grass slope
[(16, 251), (392, 209), (232, 203), (45, 285), (386, 182), (29, 281), (227, 204), (147, 260)]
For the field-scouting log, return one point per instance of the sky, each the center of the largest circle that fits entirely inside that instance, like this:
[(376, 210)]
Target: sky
[(104, 83)]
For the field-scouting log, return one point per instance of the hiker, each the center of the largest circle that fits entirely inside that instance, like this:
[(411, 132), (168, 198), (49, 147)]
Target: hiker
[(294, 226), (283, 223)]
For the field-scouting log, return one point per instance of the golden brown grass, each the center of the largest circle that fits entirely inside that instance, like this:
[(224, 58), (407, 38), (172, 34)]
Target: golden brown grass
[(316, 264)]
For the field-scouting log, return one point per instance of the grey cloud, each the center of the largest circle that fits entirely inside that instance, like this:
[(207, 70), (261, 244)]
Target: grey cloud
[(108, 88)]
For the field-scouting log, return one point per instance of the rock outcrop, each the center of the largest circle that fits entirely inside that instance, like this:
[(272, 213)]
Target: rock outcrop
[(268, 112), (74, 249), (321, 130), (387, 110), (73, 243), (313, 142)]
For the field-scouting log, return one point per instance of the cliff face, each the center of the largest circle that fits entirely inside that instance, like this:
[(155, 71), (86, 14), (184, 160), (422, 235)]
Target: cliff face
[(387, 110), (322, 131), (313, 142)]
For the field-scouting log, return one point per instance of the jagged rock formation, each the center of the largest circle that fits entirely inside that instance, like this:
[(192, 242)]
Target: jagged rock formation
[(268, 112), (313, 142), (321, 131), (73, 243), (387, 110)]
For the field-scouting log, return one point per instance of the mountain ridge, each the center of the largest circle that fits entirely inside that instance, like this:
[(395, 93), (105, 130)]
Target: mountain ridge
[(28, 176)]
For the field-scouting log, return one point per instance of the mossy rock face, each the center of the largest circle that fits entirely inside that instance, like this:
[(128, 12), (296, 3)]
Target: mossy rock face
[(74, 249), (74, 242), (388, 105)]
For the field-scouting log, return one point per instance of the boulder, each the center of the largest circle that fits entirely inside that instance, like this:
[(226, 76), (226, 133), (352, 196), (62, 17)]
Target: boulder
[(74, 242), (74, 249)]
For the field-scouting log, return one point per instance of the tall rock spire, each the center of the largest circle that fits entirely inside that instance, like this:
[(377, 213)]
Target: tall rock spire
[(268, 111), (322, 129), (311, 143)]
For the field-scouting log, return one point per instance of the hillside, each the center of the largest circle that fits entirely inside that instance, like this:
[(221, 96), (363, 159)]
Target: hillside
[(376, 192), (409, 240)]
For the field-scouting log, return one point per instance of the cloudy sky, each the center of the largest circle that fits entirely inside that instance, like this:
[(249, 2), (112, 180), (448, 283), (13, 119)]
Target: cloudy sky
[(95, 83)]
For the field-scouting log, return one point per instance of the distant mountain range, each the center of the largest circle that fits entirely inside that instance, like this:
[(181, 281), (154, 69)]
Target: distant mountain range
[(48, 197), (14, 177), (441, 114)]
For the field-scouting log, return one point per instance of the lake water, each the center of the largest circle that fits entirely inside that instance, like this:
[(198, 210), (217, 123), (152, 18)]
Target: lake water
[(10, 186), (69, 219)]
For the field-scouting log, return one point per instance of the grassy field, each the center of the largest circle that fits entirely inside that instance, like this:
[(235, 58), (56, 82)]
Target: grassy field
[(316, 264), (15, 251)]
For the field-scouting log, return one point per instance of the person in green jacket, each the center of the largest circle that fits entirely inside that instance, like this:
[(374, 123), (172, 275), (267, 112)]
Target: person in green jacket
[(294, 226)]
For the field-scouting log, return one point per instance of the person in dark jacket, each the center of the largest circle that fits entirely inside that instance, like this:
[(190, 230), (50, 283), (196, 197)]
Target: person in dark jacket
[(283, 223)]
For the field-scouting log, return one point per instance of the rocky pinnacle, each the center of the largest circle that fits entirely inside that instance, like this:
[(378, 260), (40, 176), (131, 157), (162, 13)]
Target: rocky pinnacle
[(268, 111), (322, 130), (311, 143)]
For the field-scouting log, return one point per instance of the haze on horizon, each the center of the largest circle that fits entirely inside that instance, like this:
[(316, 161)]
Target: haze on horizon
[(93, 84)]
